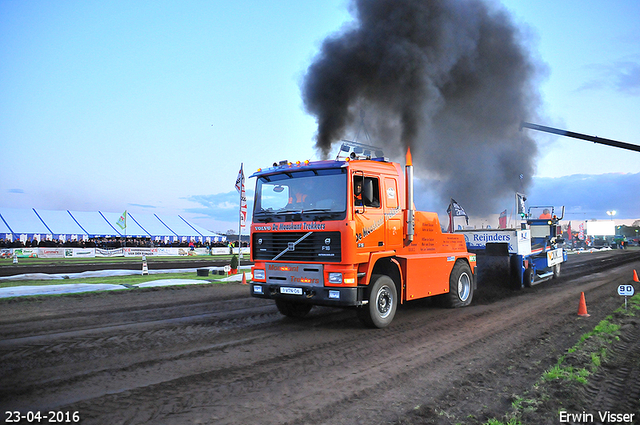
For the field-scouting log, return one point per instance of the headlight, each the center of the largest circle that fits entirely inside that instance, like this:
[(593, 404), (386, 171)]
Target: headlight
[(335, 277), (258, 274)]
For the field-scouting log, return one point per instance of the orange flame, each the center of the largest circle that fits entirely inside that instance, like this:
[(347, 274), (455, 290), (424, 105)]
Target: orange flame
[(408, 160)]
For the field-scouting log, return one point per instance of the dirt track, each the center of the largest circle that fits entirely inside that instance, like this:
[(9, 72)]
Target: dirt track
[(212, 354)]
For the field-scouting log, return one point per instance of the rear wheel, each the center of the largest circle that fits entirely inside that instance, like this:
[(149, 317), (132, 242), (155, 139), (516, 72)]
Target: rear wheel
[(292, 308), (515, 265), (556, 271), (383, 301), (460, 286)]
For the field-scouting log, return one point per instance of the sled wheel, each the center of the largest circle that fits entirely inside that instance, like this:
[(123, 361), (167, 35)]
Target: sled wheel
[(527, 278)]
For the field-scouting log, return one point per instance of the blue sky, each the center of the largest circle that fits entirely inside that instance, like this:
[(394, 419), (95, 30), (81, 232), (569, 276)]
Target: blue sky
[(152, 106)]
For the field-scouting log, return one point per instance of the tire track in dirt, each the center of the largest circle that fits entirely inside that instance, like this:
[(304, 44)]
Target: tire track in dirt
[(616, 386), (236, 366), (486, 329)]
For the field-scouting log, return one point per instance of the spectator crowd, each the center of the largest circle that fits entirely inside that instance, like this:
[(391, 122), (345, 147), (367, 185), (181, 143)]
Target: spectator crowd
[(111, 243)]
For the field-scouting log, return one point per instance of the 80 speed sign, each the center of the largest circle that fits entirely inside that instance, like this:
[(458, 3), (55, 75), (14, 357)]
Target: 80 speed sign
[(626, 290)]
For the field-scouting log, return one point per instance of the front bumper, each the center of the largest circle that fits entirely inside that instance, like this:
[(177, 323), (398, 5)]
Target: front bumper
[(316, 295)]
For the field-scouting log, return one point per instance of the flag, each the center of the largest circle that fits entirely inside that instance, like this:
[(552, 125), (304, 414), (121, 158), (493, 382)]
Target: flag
[(502, 220), (122, 221), (243, 208), (581, 232), (240, 180), (569, 232), (243, 197), (456, 210), (520, 199)]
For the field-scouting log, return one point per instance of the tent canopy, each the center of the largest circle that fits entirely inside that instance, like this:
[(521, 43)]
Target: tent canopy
[(96, 224)]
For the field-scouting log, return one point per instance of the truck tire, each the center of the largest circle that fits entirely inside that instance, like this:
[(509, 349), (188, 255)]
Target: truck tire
[(383, 301), (515, 273), (556, 271), (460, 286), (527, 278), (292, 308)]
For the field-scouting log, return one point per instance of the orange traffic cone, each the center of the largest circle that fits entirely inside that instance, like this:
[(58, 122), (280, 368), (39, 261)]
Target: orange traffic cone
[(635, 276), (582, 309), (244, 279)]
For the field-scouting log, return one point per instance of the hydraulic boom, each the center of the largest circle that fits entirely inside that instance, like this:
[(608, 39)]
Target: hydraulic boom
[(593, 139)]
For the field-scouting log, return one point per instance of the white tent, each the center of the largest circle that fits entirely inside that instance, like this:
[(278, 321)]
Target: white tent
[(39, 224)]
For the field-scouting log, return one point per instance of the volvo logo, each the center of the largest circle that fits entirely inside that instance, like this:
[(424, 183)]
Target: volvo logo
[(260, 241)]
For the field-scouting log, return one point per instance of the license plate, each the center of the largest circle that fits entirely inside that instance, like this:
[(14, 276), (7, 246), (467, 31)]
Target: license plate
[(291, 291)]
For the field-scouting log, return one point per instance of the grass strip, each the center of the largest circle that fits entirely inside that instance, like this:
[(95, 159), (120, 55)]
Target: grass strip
[(572, 369)]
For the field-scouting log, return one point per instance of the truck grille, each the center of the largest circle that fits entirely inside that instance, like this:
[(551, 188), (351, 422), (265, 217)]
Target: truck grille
[(297, 246)]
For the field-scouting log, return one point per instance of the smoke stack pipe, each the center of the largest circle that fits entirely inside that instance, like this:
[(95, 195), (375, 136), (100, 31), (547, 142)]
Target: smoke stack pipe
[(410, 219)]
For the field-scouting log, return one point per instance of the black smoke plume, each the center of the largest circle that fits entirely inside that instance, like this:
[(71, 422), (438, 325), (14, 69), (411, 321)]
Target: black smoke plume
[(449, 78)]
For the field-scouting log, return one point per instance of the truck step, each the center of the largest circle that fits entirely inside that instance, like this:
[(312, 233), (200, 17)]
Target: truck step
[(542, 277)]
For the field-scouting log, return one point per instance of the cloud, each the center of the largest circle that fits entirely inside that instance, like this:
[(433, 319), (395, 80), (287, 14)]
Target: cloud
[(584, 196), (220, 206), (143, 206), (589, 196), (15, 191), (628, 79), (622, 76)]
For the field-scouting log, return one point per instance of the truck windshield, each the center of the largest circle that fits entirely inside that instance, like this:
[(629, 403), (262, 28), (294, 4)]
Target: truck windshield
[(301, 196)]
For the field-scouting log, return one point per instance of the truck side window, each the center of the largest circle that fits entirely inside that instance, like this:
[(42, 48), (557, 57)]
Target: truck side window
[(366, 192), (357, 191)]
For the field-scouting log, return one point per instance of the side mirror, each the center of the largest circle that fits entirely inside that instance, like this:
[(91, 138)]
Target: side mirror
[(367, 192)]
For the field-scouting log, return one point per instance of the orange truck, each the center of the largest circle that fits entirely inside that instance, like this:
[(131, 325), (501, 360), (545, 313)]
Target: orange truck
[(344, 233)]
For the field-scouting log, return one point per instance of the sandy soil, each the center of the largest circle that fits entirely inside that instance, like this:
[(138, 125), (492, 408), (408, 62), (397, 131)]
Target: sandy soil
[(212, 354)]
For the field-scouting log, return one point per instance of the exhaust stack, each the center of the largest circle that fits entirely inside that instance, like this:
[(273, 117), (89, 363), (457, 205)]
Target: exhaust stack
[(410, 211)]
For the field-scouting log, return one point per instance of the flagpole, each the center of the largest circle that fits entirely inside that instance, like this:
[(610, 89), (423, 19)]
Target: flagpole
[(240, 226), (451, 215), (240, 212)]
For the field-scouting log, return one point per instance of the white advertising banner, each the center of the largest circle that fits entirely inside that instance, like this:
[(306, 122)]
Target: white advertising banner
[(117, 252), (554, 257), (26, 252), (79, 252), (601, 228), (139, 252), (51, 252), (519, 241)]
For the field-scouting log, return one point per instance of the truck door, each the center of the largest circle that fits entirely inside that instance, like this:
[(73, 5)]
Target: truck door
[(368, 213), (392, 213)]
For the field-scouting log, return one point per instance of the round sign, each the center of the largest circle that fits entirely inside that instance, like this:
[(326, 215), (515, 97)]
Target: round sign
[(626, 290)]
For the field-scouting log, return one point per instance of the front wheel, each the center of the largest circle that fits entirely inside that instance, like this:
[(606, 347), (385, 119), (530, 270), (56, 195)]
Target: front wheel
[(460, 286), (383, 301), (556, 271)]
